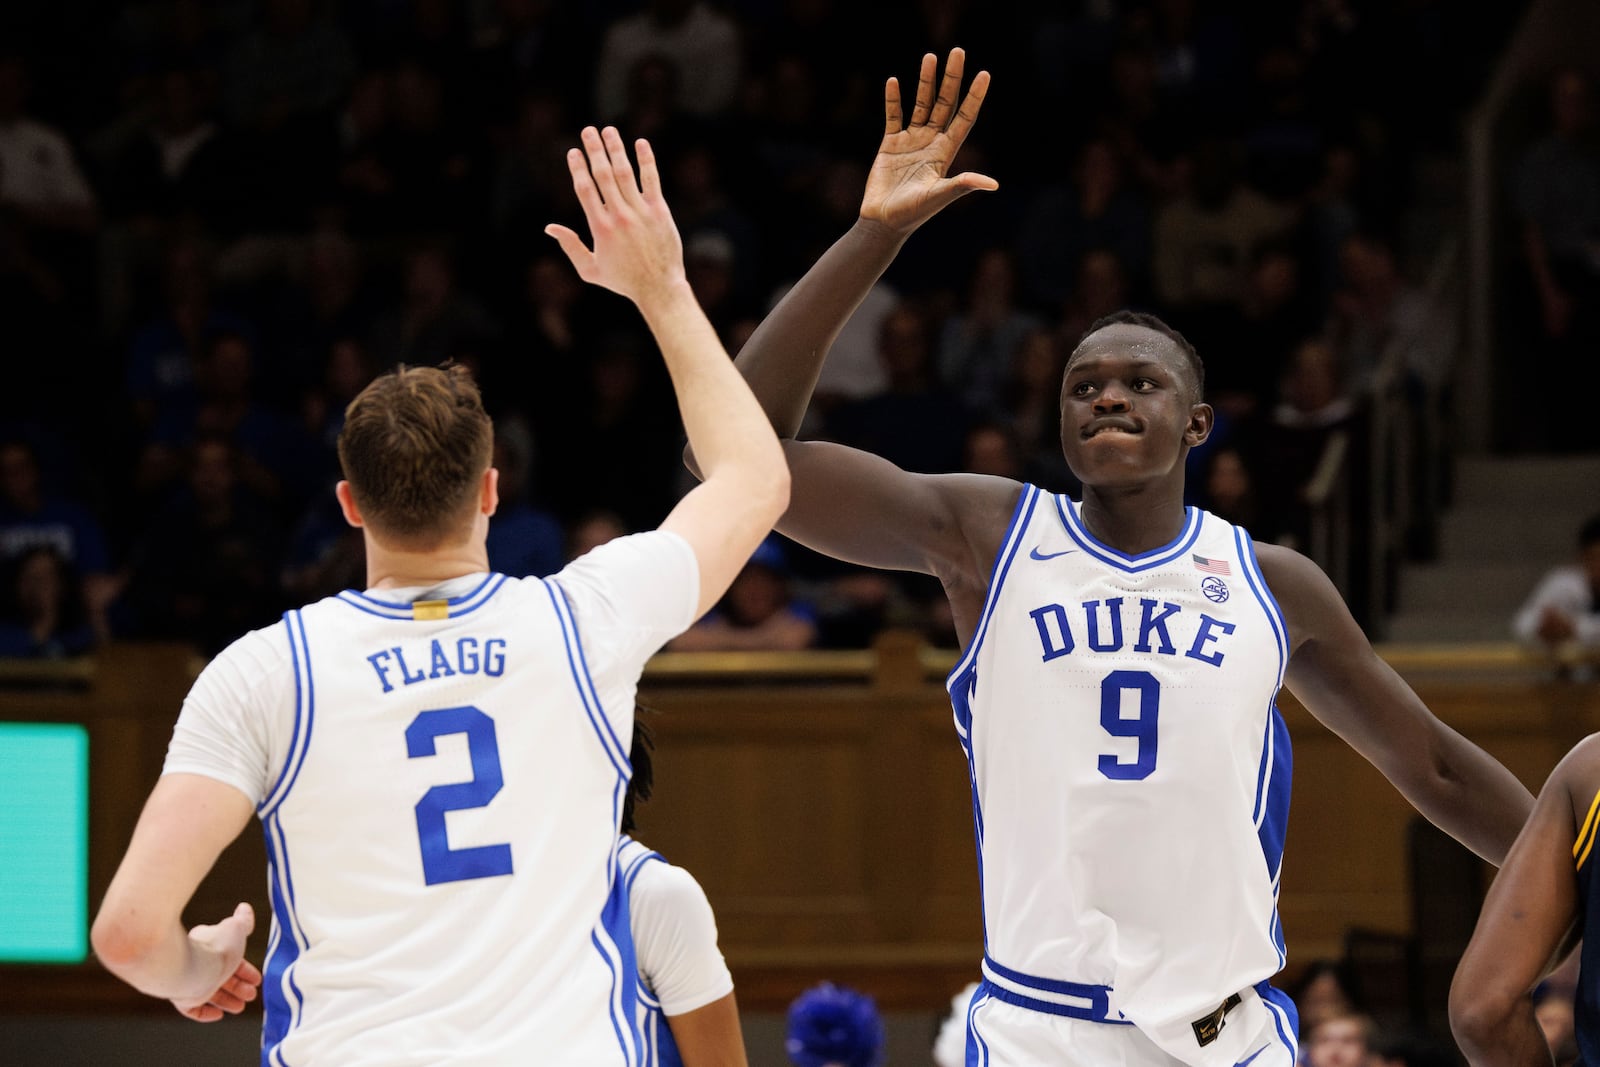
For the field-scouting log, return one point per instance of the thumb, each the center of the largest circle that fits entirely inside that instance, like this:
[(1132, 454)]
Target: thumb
[(582, 259), (972, 182), (246, 915)]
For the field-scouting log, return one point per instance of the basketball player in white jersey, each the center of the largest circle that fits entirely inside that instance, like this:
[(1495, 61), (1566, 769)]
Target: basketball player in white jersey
[(688, 1016), (437, 761), (1121, 657)]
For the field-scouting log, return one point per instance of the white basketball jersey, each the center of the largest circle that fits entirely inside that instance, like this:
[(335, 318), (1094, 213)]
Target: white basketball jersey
[(441, 812), (1130, 772)]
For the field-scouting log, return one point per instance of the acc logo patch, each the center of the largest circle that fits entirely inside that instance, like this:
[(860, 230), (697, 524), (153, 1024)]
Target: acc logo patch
[(1215, 589)]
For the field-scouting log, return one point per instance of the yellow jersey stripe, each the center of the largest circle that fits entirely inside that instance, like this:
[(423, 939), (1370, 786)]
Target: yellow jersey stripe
[(1585, 840)]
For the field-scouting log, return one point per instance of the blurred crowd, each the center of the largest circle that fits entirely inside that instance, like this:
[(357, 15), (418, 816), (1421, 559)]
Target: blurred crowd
[(219, 219)]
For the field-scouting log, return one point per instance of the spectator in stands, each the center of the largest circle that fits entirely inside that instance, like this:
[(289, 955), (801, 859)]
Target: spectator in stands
[(979, 342), (1556, 196), (44, 615), (834, 1026), (39, 176), (1228, 490), (1064, 223), (31, 518), (1323, 992), (758, 613), (699, 42), (593, 530), (915, 423), (1376, 310), (1561, 617), (1310, 427), (524, 539), (1338, 1041), (436, 319)]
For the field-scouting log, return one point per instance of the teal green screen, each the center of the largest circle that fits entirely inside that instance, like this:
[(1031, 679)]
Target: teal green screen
[(44, 842)]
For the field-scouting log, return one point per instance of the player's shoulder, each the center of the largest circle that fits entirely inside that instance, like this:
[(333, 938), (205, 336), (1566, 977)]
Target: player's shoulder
[(1579, 770), (262, 649), (656, 884)]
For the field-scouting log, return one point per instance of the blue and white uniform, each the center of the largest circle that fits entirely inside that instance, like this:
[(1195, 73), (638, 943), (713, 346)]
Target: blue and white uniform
[(675, 941), (1130, 783), (440, 775)]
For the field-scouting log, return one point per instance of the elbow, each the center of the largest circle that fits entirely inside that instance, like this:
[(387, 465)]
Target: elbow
[(121, 941), (1478, 1014), (778, 487)]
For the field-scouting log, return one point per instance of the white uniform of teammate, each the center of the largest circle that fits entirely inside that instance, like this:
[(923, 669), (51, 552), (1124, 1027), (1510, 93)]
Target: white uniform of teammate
[(1130, 781), (675, 941), (469, 744)]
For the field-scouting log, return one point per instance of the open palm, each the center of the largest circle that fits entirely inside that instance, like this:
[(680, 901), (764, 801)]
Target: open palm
[(907, 184)]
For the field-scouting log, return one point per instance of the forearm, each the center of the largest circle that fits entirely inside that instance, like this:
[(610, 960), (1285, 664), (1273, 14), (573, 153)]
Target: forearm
[(729, 434), (783, 358), (171, 965), (1507, 1036), (1470, 796)]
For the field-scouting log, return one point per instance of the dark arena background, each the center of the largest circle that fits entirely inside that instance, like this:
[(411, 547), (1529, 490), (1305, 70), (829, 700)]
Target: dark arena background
[(1377, 220)]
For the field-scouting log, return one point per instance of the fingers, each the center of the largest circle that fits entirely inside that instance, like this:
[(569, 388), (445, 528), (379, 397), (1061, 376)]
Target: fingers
[(649, 175), (248, 972), (949, 90), (600, 165), (961, 125), (892, 118), (925, 83), (583, 184), (621, 169)]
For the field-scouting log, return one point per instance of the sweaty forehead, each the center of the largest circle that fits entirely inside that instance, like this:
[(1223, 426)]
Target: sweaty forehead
[(1129, 339)]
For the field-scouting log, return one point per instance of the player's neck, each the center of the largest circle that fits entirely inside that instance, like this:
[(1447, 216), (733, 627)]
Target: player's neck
[(1136, 520), (389, 568)]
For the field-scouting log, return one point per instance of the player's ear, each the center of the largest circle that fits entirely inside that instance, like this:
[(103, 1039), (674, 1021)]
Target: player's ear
[(347, 504), (1201, 419), (490, 501)]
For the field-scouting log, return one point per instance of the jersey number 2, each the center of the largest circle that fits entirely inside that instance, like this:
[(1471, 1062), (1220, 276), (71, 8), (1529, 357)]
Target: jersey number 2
[(1141, 726), (440, 862)]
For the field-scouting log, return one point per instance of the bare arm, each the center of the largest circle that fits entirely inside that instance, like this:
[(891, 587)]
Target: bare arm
[(710, 1036), (1335, 673), (638, 253), (1528, 922), (138, 933)]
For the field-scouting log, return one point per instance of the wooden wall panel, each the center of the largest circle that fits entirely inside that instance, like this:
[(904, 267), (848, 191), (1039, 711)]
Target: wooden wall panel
[(824, 804)]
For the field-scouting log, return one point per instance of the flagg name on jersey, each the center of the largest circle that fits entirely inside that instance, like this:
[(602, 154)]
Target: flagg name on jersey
[(1101, 623), (401, 665)]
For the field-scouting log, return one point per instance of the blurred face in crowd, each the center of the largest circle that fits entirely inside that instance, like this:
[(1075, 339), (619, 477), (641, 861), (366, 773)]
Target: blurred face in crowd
[(19, 477), (756, 595), (39, 584), (1339, 1042)]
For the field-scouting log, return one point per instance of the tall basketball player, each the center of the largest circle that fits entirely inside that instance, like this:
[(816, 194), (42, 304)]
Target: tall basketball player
[(1115, 695), (437, 761), (1542, 903)]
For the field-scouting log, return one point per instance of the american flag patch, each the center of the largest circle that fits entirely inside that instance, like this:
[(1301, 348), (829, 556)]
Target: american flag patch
[(1211, 566)]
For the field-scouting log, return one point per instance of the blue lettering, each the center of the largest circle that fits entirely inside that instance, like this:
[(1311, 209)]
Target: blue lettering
[(1091, 612), (1205, 635), (383, 673), (1155, 624), (1052, 649), (405, 672), (441, 665), (494, 663), (467, 655)]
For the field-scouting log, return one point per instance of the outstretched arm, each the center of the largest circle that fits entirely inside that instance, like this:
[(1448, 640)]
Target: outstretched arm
[(1529, 921), (638, 253), (906, 187), (1335, 673)]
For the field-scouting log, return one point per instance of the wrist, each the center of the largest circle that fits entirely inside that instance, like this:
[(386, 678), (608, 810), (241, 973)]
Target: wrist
[(878, 232)]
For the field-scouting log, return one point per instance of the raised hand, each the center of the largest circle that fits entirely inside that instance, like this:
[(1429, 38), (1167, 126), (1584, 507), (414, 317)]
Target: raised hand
[(907, 185), (637, 250), (241, 980)]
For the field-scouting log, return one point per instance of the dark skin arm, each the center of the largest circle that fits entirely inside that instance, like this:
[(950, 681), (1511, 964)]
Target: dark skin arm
[(843, 502), (710, 1036), (1529, 921), (1335, 673)]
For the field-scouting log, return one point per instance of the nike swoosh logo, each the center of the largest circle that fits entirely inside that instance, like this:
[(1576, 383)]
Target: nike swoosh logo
[(1253, 1055), (1042, 556)]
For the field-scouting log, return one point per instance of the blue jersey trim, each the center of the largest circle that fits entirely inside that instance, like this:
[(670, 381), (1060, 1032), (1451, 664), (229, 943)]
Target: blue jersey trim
[(1258, 585), (997, 576), (597, 720), (301, 688), (977, 1047), (613, 939), (280, 1014), (464, 604), (1072, 522), (1283, 1010), (1087, 990), (1099, 1013)]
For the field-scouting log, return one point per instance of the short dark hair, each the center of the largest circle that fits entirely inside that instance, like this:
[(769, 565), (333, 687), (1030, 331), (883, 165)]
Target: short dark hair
[(643, 780), (1127, 317), (1589, 532)]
